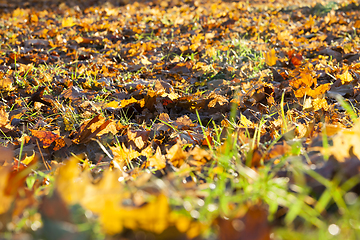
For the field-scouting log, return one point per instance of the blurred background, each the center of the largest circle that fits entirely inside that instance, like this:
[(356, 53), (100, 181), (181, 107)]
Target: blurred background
[(8, 5)]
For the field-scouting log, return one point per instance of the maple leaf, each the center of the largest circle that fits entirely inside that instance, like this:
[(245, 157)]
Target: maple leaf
[(307, 79), (12, 181), (345, 143), (94, 127), (245, 122), (105, 200), (123, 155), (162, 61), (176, 155), (27, 160), (157, 160), (68, 22), (199, 156), (125, 103), (45, 137), (113, 104), (346, 77), (65, 181), (217, 99), (6, 83)]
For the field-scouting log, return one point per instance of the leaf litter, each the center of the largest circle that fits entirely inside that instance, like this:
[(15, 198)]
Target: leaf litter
[(177, 119)]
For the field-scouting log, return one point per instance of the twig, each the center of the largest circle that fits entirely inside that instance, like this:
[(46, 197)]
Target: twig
[(45, 163)]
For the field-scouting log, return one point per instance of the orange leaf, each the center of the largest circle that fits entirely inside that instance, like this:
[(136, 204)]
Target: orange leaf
[(5, 199), (4, 117), (125, 103), (270, 57), (45, 137), (295, 58), (357, 24)]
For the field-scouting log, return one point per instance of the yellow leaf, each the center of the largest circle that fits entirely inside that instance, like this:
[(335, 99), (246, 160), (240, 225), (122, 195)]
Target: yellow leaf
[(71, 183), (210, 51), (111, 127), (34, 18), (68, 124), (113, 104), (28, 160), (158, 160), (320, 103), (346, 77), (308, 104), (176, 155), (6, 83), (67, 22), (19, 12), (245, 122), (105, 200), (141, 103), (345, 142), (125, 103), (151, 217), (270, 57), (4, 117), (122, 155), (145, 61), (172, 95), (182, 223), (79, 39), (185, 225)]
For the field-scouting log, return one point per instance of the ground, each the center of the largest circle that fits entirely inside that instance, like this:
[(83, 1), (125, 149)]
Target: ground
[(179, 119)]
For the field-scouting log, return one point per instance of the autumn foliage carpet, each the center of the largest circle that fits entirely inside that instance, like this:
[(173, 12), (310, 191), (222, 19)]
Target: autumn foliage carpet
[(179, 119)]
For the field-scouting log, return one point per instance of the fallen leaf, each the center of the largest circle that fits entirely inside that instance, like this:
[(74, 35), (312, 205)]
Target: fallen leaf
[(345, 143), (176, 155), (157, 160), (270, 57)]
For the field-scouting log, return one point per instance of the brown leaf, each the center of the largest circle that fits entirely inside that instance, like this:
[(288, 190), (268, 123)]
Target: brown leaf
[(253, 225), (38, 97), (53, 207), (138, 137), (90, 129), (72, 93), (6, 155)]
